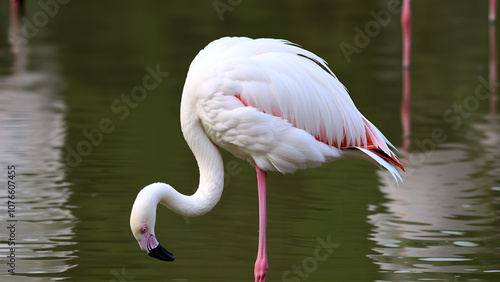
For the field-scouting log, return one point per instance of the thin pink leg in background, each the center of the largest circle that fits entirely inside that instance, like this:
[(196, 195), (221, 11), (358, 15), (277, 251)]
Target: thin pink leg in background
[(406, 27), (493, 58), (493, 10)]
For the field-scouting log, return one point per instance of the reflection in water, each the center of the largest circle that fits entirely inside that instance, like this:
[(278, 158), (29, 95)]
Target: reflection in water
[(442, 220), (33, 131), (406, 112), (436, 219)]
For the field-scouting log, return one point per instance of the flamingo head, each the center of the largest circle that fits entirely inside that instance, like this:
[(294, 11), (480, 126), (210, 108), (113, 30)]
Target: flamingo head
[(142, 223)]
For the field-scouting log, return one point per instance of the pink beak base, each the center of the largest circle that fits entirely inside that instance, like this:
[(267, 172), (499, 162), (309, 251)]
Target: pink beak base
[(152, 247)]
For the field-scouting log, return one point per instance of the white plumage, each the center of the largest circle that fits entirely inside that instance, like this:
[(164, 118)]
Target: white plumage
[(277, 105), (267, 101)]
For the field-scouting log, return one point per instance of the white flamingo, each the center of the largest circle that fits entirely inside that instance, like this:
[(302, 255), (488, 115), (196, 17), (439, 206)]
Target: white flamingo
[(267, 101)]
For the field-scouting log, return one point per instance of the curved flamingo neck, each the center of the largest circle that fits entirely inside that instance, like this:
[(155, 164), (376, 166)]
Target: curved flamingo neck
[(210, 166)]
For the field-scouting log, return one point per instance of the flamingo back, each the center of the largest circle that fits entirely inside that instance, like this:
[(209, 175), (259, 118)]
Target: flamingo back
[(278, 105)]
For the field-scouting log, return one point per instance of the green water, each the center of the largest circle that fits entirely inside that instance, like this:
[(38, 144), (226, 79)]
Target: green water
[(81, 152)]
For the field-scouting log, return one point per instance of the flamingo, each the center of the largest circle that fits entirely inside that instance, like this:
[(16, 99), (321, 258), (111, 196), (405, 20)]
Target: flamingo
[(267, 101)]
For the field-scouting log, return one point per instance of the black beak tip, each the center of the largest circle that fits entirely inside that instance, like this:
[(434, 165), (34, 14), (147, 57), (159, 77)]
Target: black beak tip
[(160, 253)]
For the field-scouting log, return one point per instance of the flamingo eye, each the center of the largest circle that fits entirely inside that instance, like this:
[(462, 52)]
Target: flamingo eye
[(144, 228)]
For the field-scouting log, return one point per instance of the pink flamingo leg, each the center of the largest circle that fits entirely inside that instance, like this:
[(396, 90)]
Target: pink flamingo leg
[(493, 10), (261, 265), (16, 9), (406, 26), (493, 66)]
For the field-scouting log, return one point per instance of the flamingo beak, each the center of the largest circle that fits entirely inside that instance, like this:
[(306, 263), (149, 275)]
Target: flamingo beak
[(150, 246)]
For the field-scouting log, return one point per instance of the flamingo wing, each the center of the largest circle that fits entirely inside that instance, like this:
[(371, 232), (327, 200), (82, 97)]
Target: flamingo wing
[(246, 87)]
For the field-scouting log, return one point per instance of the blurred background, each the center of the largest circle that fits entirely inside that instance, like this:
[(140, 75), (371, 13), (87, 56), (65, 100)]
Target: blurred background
[(82, 150)]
